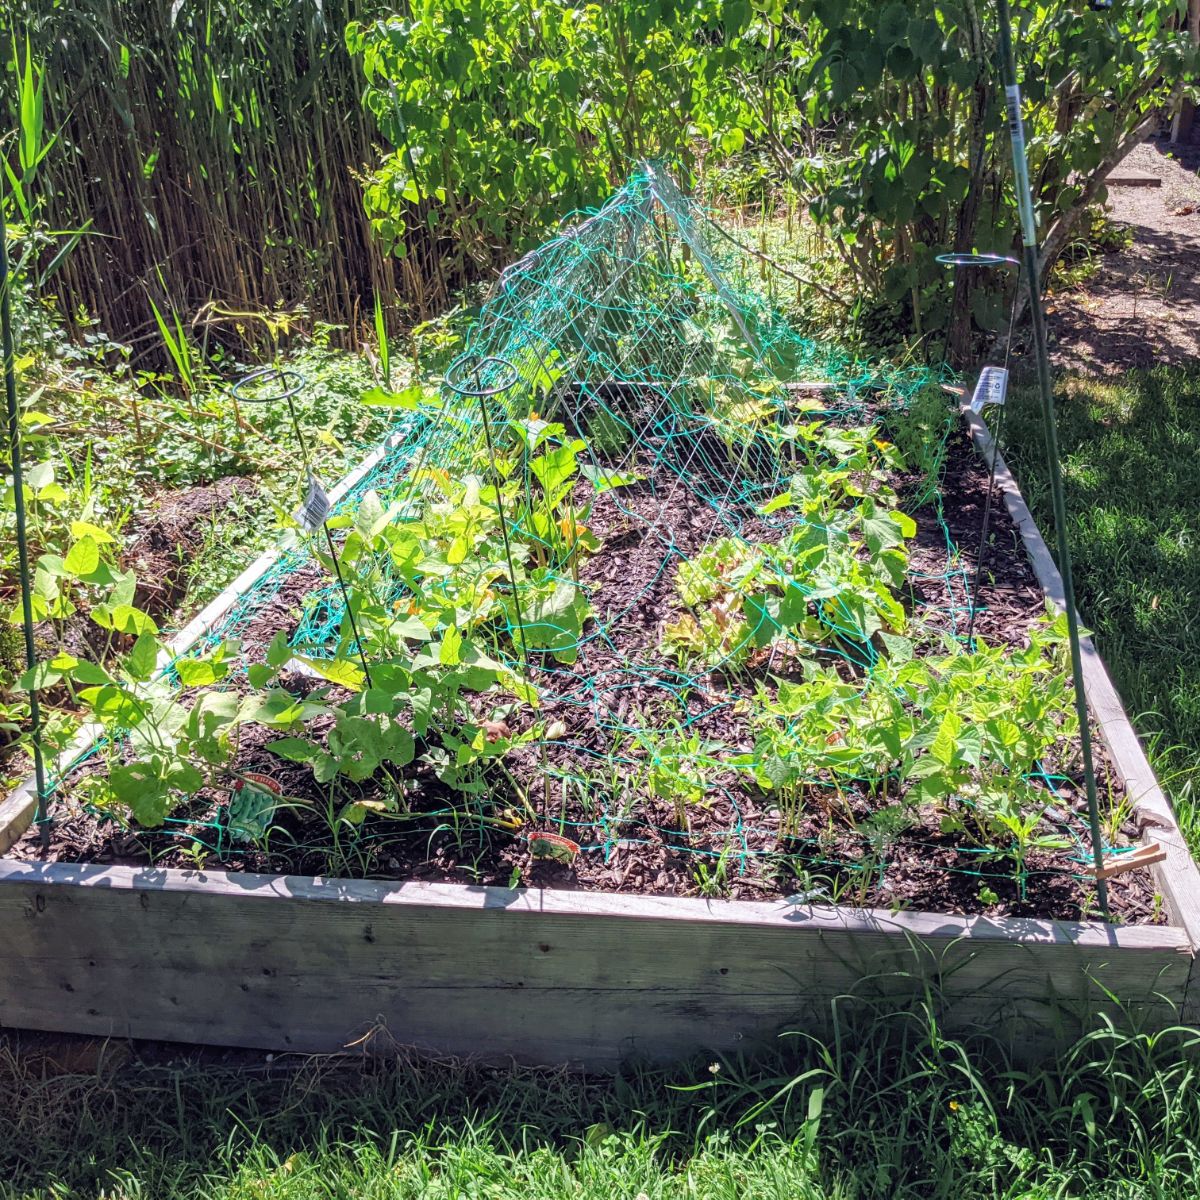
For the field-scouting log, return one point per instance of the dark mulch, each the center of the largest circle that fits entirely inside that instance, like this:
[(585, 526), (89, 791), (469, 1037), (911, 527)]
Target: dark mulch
[(622, 685)]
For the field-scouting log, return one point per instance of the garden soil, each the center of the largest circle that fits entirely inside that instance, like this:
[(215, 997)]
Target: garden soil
[(923, 868)]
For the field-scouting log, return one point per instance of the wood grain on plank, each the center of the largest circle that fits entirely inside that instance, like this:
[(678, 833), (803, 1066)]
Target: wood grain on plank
[(295, 963)]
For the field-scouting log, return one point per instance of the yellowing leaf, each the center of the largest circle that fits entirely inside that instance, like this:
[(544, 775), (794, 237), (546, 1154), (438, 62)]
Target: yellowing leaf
[(83, 557), (84, 529), (341, 671)]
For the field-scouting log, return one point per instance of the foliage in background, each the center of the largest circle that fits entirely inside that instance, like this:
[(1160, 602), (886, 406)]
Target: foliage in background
[(915, 156), (890, 123), (232, 136), (1129, 451), (508, 115)]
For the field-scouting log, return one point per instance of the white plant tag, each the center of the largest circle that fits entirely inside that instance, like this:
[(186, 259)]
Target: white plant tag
[(991, 388), (315, 507)]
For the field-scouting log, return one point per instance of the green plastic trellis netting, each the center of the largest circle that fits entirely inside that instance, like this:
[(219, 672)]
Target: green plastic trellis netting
[(654, 337), (634, 325)]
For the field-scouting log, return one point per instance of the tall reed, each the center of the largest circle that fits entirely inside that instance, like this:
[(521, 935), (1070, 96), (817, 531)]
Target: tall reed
[(216, 147)]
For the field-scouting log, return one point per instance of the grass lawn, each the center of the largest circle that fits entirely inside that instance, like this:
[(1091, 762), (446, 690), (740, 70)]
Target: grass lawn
[(1130, 450), (887, 1110)]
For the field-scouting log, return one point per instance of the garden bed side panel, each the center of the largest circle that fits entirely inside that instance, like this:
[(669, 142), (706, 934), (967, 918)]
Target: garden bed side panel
[(314, 965), (1177, 878)]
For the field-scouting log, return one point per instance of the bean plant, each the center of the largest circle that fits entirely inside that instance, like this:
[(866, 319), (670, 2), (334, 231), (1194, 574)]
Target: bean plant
[(464, 593)]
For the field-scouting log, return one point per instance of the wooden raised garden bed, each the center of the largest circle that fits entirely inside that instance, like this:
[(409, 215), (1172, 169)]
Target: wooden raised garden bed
[(312, 964), (618, 583)]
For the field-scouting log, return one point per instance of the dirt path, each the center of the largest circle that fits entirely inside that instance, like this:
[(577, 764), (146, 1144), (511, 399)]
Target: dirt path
[(1144, 305)]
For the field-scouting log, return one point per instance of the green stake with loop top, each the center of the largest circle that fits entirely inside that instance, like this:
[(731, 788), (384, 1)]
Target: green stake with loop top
[(14, 451), (1012, 92)]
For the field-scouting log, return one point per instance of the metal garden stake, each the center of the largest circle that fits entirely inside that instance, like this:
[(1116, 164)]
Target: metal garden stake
[(1012, 92), (991, 389), (14, 452), (314, 510), (481, 391)]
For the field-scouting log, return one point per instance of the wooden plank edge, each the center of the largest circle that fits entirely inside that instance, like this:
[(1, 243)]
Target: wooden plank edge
[(17, 810), (19, 807), (1177, 875), (781, 914)]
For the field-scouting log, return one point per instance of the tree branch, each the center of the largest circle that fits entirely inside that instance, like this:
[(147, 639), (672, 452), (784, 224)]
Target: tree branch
[(1060, 231)]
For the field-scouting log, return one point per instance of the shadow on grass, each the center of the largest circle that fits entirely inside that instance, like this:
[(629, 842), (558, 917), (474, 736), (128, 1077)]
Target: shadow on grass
[(887, 1107), (1130, 451)]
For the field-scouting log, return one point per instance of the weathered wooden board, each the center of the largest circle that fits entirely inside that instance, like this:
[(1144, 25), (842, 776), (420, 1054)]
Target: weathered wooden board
[(545, 976)]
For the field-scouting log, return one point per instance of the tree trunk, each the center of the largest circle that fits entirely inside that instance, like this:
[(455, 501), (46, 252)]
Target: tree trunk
[(1181, 126)]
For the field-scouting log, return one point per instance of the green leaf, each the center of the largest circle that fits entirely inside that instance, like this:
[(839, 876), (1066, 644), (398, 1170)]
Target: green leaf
[(278, 709), (91, 674), (143, 658), (554, 620), (521, 688), (341, 671), (762, 615), (279, 653), (892, 25), (200, 672), (124, 618), (54, 493), (732, 141), (783, 500), (450, 649), (900, 649), (413, 396), (83, 558), (556, 468), (411, 629), (44, 674), (141, 788), (114, 706), (295, 749), (259, 675), (82, 529), (604, 481), (945, 744)]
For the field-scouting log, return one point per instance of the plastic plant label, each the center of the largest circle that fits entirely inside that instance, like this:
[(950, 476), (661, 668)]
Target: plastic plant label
[(315, 507), (553, 846), (1016, 128), (252, 806), (991, 388)]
